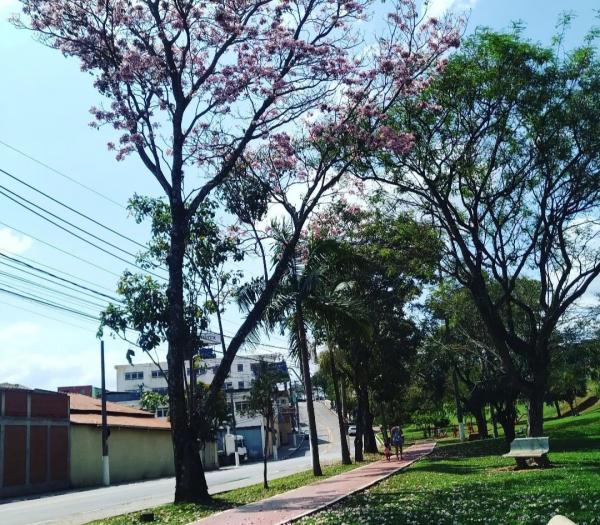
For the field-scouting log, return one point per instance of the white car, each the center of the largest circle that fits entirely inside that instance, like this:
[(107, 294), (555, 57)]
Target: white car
[(352, 430)]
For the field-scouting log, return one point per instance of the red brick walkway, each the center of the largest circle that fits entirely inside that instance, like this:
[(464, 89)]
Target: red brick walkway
[(299, 502)]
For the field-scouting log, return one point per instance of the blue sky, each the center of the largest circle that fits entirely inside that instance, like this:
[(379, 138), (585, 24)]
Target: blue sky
[(44, 111)]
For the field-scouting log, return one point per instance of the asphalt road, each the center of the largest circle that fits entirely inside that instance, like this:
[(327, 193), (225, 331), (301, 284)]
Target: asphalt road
[(82, 506)]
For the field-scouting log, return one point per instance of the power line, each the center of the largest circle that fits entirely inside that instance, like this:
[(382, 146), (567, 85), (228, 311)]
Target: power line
[(77, 235), (60, 250), (17, 258), (75, 181), (107, 252), (62, 321), (81, 214), (55, 296), (54, 276), (49, 304), (83, 230), (53, 290)]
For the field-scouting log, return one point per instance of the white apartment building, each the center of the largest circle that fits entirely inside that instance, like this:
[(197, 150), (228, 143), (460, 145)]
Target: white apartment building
[(148, 376)]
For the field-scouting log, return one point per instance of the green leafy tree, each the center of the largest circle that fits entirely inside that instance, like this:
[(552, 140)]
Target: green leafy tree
[(261, 401), (142, 317), (379, 266), (505, 161), (152, 401)]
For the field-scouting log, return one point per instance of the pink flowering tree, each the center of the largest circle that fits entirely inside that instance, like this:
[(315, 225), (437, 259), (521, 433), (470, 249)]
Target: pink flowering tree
[(278, 90)]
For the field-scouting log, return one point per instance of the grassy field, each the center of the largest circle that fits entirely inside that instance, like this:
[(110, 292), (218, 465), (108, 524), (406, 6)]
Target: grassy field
[(412, 432), (182, 514), (471, 483)]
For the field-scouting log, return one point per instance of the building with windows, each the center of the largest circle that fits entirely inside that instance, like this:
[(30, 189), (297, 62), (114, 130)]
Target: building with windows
[(84, 390), (136, 378)]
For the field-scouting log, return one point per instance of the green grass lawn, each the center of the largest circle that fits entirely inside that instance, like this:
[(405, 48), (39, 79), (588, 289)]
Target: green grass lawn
[(472, 483), (412, 432), (185, 513)]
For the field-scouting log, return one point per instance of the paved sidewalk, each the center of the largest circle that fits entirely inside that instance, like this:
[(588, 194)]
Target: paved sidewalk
[(302, 501)]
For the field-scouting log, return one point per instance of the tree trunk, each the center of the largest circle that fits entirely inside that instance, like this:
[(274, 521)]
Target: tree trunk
[(557, 407), (536, 422), (344, 403), (190, 483), (507, 417), (360, 421), (370, 443), (346, 459), (310, 408), (384, 424), (265, 449), (494, 420), (509, 428), (479, 414), (536, 414)]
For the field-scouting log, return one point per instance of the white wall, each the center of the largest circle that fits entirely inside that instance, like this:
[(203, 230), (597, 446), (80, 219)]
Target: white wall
[(241, 372)]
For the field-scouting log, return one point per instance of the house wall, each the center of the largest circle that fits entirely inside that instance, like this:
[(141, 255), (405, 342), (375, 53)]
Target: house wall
[(134, 454), (34, 442)]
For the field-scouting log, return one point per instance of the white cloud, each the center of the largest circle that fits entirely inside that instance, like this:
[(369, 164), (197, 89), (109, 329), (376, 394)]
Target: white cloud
[(9, 242), (438, 7), (18, 333)]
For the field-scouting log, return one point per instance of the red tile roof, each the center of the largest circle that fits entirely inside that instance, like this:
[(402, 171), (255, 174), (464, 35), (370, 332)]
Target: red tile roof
[(81, 403), (86, 410), (153, 423)]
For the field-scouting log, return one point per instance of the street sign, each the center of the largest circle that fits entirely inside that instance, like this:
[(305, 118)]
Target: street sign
[(210, 338), (207, 353)]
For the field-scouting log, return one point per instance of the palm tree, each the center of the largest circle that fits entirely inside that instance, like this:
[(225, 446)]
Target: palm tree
[(286, 311), (311, 295)]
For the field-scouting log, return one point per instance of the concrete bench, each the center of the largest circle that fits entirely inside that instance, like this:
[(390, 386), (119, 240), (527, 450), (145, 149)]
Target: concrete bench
[(560, 520), (523, 449), (534, 447)]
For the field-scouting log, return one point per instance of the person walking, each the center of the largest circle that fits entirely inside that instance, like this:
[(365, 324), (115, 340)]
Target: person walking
[(397, 441), (387, 451)]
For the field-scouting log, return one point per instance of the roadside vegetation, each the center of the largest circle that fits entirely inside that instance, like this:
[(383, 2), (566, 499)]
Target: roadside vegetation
[(471, 483), (183, 513)]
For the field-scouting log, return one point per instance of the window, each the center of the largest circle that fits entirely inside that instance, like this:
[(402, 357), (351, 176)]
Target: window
[(240, 384), (241, 407), (240, 367), (158, 374), (132, 376), (254, 368), (163, 390), (228, 386), (162, 412)]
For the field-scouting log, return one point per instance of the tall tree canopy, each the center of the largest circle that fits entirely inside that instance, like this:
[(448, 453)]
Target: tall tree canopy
[(506, 161), (203, 90)]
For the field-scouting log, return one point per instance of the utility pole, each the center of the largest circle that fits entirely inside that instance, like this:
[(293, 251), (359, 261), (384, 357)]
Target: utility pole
[(105, 465), (235, 451)]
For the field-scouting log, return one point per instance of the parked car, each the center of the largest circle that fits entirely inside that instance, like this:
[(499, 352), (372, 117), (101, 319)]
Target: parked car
[(352, 430)]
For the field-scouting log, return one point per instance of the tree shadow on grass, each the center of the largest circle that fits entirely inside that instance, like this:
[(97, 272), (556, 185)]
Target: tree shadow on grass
[(447, 468)]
